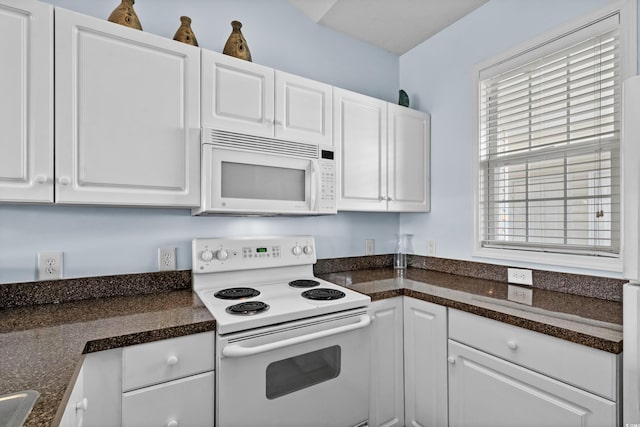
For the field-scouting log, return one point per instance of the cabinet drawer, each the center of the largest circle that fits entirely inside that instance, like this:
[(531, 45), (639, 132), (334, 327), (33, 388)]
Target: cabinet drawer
[(584, 367), (161, 361), (187, 401)]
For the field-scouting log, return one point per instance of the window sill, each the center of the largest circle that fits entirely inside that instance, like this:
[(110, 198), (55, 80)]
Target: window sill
[(613, 265)]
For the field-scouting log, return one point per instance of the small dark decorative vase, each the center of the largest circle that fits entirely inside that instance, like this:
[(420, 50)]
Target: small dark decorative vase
[(125, 15), (236, 44), (184, 33), (403, 98)]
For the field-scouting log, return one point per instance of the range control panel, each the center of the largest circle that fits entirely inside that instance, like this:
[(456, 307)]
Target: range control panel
[(211, 255)]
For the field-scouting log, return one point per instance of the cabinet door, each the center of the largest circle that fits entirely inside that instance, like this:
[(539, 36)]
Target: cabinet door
[(360, 134), (73, 415), (386, 405), (425, 363), (237, 95), (26, 104), (127, 115), (409, 176), (487, 391), (181, 403), (303, 109)]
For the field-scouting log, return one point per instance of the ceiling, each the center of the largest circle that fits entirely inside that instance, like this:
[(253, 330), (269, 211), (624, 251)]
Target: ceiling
[(394, 25)]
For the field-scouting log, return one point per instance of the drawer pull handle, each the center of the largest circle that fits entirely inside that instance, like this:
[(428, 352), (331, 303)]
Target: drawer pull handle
[(82, 405), (172, 360), (172, 423), (512, 345), (451, 360)]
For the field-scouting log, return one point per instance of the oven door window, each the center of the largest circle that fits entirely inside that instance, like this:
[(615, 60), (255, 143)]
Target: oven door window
[(250, 181), (302, 371)]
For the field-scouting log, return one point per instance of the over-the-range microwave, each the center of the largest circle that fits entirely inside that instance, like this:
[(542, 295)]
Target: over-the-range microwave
[(250, 175)]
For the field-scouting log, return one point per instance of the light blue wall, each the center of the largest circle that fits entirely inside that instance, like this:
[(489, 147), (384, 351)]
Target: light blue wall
[(278, 36), (437, 75), (102, 241)]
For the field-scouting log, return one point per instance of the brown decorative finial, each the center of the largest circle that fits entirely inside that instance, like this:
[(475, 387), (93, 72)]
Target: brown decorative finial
[(236, 44), (184, 33), (125, 15)]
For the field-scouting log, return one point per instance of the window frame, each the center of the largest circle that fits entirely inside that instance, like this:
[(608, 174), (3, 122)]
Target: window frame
[(544, 43)]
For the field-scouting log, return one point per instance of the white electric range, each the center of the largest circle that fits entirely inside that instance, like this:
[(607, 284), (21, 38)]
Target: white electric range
[(285, 340)]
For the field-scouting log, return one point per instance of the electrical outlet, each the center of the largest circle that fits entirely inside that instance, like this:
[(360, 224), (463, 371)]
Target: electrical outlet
[(369, 246), (49, 265), (431, 248), (520, 276), (520, 294), (166, 259)]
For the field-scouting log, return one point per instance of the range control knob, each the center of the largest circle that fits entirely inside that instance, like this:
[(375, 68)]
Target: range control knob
[(297, 250), (308, 249), (206, 255), (221, 255)]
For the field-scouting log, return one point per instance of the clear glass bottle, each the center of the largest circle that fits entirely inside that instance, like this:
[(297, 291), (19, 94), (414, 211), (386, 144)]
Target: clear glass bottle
[(404, 245)]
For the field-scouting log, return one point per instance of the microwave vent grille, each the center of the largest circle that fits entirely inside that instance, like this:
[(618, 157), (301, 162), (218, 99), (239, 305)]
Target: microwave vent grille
[(238, 141)]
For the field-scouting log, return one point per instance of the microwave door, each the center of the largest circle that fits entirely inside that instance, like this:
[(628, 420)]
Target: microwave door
[(245, 182)]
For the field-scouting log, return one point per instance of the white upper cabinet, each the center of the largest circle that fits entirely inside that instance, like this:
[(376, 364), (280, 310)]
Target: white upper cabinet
[(384, 155), (303, 109), (360, 134), (237, 95), (26, 104), (408, 164), (243, 97), (127, 115)]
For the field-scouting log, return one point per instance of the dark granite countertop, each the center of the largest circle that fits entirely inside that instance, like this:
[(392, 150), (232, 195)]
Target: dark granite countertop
[(41, 346), (588, 321)]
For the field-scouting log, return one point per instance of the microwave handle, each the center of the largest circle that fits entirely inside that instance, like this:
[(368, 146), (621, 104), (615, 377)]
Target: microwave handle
[(314, 185), (235, 350)]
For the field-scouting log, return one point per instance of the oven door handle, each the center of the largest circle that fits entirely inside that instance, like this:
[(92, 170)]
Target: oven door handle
[(235, 350)]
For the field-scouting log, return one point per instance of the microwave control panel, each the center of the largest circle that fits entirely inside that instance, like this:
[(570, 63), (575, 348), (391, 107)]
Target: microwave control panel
[(327, 202)]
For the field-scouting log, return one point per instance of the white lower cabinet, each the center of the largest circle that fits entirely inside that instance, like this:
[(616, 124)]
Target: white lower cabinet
[(425, 363), (73, 415), (386, 398), (183, 402), (169, 382), (95, 399), (502, 375)]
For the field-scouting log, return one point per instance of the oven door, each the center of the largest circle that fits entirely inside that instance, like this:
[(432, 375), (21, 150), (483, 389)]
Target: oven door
[(305, 373), (249, 182)]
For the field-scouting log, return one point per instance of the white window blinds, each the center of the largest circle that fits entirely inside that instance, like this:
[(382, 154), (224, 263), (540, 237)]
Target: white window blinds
[(550, 146)]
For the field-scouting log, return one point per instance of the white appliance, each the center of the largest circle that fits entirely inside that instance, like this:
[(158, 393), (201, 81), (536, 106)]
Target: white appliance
[(631, 292), (291, 349), (248, 175)]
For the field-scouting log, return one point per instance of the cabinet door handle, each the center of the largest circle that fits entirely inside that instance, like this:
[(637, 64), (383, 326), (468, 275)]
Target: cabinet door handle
[(172, 360), (172, 423), (41, 179), (64, 180), (82, 405), (451, 360), (512, 345)]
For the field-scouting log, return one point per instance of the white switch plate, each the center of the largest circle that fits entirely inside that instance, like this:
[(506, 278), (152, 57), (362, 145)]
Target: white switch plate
[(369, 246), (166, 259), (520, 294), (49, 265), (520, 276), (431, 248)]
